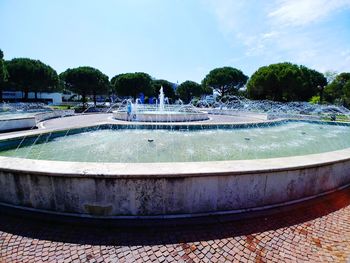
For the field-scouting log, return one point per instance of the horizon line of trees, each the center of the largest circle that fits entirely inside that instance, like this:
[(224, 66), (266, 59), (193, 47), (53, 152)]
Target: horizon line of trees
[(279, 82)]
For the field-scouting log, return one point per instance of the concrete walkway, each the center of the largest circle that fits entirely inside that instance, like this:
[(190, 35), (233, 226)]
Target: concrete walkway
[(90, 119), (102, 118)]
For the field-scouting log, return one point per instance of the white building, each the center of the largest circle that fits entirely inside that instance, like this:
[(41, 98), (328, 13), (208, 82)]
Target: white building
[(51, 98)]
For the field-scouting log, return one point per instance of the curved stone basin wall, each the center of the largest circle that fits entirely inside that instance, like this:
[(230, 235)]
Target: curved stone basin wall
[(168, 189), (53, 114), (161, 117), (29, 122), (17, 124)]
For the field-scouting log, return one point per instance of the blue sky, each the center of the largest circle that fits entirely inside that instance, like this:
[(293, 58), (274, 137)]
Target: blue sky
[(177, 40)]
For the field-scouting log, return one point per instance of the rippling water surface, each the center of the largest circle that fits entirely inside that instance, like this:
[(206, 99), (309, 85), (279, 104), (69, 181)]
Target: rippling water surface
[(143, 145)]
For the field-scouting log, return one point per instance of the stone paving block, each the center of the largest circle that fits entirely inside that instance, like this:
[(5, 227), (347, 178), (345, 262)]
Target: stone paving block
[(315, 233)]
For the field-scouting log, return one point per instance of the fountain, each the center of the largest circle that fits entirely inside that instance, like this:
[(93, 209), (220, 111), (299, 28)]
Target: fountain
[(161, 100), (122, 171), (160, 112), (234, 105)]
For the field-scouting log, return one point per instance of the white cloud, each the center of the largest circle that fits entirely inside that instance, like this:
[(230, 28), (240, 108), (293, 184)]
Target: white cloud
[(346, 56), (285, 30), (270, 35), (303, 12), (228, 13)]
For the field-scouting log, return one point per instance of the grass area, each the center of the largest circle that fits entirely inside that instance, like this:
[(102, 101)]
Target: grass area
[(61, 107), (338, 117)]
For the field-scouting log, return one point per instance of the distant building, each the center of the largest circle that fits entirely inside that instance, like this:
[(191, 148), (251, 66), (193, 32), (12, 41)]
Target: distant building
[(70, 96), (50, 98)]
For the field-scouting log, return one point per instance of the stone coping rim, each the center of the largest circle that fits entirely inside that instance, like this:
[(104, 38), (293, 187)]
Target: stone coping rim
[(18, 118), (170, 170), (35, 114)]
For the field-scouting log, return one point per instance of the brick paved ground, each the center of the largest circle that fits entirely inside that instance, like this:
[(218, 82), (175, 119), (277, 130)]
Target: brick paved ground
[(315, 231)]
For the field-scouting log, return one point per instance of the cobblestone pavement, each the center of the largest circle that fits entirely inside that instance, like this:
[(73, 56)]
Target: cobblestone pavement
[(313, 231)]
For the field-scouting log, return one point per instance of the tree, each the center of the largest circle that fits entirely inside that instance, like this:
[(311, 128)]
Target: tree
[(46, 79), (330, 75), (85, 81), (167, 88), (3, 73), (132, 84), (313, 82), (285, 82), (188, 89), (226, 80), (339, 89), (346, 96), (31, 75)]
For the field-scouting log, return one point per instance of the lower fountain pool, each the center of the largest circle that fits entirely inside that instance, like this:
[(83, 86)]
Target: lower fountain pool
[(182, 144), (163, 171)]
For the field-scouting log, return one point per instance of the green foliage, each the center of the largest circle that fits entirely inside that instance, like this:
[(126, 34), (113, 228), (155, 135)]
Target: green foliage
[(330, 75), (3, 73), (60, 107), (279, 82), (189, 89), (242, 93), (167, 88), (285, 82), (31, 75), (346, 90), (339, 89), (226, 80), (85, 81), (208, 90), (315, 99), (132, 84)]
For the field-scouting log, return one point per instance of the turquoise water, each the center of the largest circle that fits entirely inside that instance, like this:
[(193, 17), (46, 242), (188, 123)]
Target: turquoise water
[(146, 145)]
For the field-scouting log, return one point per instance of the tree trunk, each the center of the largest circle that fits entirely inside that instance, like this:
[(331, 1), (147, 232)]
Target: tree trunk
[(0, 94), (36, 95), (321, 95), (83, 98), (95, 100), (26, 91), (222, 89)]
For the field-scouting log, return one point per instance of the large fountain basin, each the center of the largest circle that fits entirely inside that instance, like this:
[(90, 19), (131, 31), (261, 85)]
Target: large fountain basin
[(181, 143), (167, 190)]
